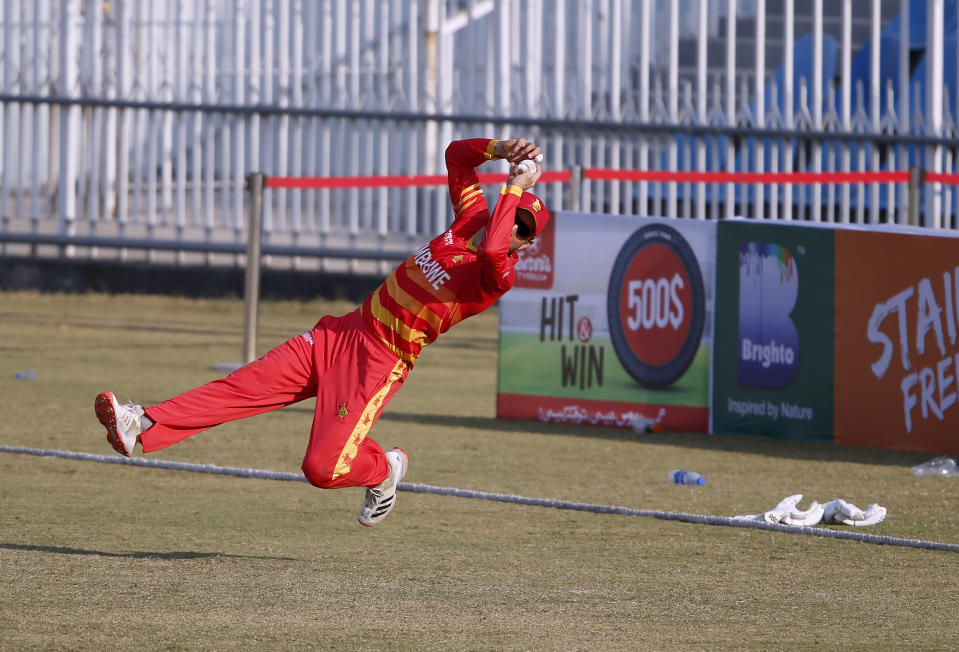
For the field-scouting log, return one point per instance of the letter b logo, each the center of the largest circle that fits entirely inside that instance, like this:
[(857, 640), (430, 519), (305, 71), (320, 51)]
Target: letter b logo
[(768, 339)]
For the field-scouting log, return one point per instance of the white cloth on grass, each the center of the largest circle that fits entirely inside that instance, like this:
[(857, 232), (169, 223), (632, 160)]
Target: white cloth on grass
[(837, 511), (845, 513)]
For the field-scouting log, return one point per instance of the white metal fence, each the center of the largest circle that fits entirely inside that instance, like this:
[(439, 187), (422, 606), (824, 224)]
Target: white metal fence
[(134, 123)]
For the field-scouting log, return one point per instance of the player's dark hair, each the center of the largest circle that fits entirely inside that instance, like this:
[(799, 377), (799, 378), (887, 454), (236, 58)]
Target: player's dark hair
[(524, 232)]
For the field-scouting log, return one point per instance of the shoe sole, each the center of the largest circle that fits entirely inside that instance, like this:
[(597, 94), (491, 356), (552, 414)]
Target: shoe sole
[(103, 406), (381, 519), (406, 466)]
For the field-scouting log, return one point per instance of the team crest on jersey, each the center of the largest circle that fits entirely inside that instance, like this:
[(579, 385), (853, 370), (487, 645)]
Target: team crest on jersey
[(342, 412), (457, 258), (537, 206)]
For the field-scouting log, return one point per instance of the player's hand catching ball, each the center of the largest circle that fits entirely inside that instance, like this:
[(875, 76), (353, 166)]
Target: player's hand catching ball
[(525, 175), (524, 157), (516, 150)]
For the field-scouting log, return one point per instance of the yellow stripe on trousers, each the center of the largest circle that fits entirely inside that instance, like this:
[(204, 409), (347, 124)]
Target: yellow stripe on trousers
[(365, 422)]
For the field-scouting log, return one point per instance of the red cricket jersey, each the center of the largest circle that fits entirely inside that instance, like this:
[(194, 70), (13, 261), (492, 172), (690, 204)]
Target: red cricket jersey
[(450, 278)]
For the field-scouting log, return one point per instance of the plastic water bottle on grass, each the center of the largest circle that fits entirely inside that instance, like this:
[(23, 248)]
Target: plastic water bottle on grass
[(678, 476), (937, 466)]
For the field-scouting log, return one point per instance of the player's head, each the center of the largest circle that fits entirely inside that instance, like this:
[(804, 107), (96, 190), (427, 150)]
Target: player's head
[(531, 219)]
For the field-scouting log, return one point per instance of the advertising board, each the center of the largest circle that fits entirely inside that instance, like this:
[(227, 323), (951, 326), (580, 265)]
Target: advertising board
[(773, 349), (897, 318), (802, 331), (610, 324)]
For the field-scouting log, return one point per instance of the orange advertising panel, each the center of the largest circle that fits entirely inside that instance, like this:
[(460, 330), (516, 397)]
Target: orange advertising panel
[(896, 348)]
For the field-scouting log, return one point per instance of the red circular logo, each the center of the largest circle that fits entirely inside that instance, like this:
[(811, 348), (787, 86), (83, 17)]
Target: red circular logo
[(584, 329), (655, 304)]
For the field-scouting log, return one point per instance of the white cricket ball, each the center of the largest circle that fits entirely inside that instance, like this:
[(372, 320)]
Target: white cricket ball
[(529, 166)]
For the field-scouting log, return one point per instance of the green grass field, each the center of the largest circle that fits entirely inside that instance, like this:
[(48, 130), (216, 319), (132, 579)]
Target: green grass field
[(97, 556)]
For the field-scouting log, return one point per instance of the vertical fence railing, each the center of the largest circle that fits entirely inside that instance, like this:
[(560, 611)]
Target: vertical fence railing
[(251, 286), (141, 120)]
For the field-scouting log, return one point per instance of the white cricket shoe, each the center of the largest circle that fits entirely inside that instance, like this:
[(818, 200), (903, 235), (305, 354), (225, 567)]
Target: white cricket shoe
[(121, 421), (381, 499)]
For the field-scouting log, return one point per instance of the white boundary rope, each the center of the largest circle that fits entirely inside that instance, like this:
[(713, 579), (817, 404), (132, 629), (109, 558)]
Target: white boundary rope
[(504, 498)]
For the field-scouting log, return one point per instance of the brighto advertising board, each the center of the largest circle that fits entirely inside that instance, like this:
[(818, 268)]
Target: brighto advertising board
[(610, 323), (773, 364)]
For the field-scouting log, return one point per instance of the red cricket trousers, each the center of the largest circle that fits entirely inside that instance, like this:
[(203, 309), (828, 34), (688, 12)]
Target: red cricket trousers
[(351, 374)]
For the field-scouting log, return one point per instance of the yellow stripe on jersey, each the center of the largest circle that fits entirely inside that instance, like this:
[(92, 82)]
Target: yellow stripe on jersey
[(490, 148), (468, 205), (408, 301), (468, 197), (514, 190), (390, 320), (365, 422), (400, 353)]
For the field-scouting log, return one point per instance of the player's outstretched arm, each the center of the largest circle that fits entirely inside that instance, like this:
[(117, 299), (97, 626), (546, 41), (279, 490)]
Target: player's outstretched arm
[(469, 205)]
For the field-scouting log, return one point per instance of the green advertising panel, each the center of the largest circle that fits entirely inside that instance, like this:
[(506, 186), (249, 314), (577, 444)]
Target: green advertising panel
[(773, 346)]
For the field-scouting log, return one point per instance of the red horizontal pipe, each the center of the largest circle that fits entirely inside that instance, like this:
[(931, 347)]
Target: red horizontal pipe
[(604, 174), (942, 177), (747, 177), (396, 181)]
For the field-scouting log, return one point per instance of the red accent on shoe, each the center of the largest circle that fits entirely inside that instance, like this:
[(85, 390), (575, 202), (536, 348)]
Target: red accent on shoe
[(103, 406)]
